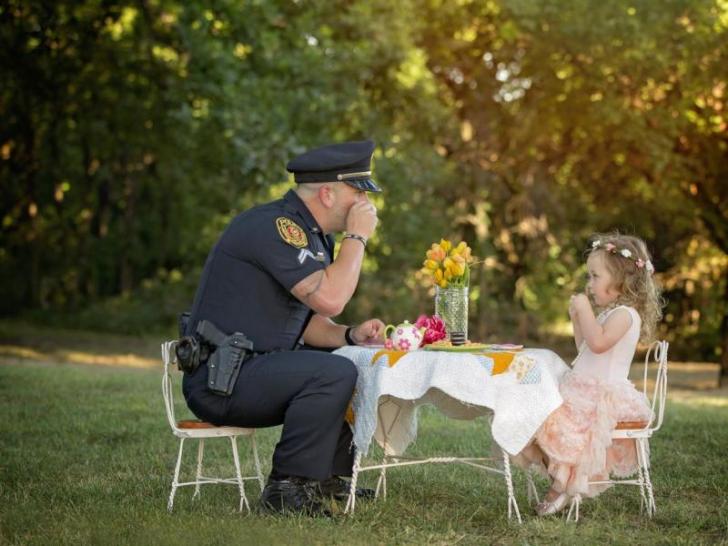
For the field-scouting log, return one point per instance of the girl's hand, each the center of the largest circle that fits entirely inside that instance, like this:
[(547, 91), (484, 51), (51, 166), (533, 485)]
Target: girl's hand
[(577, 304), (572, 309)]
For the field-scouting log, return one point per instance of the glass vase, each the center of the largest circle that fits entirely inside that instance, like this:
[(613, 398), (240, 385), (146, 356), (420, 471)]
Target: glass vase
[(451, 305)]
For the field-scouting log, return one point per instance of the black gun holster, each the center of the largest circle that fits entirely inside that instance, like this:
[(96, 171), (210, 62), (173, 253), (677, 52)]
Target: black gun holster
[(226, 360)]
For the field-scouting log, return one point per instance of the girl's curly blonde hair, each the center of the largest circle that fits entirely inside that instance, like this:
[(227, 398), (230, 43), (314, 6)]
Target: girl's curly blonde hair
[(625, 257)]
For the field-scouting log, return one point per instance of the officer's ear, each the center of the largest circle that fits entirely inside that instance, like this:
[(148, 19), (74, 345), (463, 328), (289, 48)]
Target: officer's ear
[(327, 195)]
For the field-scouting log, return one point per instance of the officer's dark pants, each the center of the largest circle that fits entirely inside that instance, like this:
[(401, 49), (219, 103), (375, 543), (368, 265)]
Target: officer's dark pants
[(305, 391)]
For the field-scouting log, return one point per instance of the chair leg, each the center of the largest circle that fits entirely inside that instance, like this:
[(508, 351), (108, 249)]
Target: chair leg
[(200, 455), (175, 480), (644, 503), (533, 497), (382, 481), (512, 504), (257, 463), (574, 508), (642, 444), (241, 486), (351, 501)]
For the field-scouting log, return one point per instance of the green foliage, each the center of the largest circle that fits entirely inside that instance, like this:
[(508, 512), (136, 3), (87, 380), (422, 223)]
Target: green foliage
[(133, 131), (151, 308), (583, 118)]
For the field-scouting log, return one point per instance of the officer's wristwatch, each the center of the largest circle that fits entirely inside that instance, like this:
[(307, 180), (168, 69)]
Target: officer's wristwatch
[(347, 336), (363, 240)]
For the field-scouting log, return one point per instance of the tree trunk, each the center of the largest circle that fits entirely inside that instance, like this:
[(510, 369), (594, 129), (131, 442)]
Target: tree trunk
[(126, 266), (723, 378)]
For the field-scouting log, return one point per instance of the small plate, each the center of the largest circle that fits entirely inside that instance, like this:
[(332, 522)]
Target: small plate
[(471, 348), (474, 347), (505, 347)]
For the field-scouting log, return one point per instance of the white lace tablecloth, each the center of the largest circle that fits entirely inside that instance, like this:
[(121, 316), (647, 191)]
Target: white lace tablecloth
[(460, 385)]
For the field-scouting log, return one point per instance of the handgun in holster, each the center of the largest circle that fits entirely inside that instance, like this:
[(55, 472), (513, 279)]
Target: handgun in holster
[(225, 362)]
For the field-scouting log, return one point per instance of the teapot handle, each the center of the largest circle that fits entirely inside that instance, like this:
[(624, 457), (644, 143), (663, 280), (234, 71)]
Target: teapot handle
[(387, 329)]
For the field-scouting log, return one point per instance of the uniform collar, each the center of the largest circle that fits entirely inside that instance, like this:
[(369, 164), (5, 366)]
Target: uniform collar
[(295, 204)]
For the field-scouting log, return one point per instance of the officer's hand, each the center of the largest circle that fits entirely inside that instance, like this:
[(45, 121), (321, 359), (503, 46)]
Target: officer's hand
[(369, 332), (362, 219)]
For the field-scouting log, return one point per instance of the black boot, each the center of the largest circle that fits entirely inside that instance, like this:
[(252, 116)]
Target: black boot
[(292, 495), (339, 489)]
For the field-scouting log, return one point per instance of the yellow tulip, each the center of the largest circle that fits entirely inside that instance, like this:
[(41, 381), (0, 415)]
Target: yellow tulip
[(457, 269), (436, 253), (447, 263)]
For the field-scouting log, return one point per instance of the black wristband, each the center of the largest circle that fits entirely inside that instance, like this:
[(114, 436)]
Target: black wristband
[(347, 336), (359, 238)]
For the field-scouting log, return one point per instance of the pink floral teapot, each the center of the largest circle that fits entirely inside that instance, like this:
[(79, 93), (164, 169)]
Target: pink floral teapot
[(404, 337)]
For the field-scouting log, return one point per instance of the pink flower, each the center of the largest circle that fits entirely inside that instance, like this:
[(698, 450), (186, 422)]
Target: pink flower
[(434, 328), (404, 344), (389, 345)]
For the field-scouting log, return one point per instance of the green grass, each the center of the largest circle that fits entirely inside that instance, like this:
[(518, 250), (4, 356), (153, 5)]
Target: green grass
[(86, 457)]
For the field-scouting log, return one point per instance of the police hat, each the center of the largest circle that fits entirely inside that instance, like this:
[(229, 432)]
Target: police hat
[(346, 162)]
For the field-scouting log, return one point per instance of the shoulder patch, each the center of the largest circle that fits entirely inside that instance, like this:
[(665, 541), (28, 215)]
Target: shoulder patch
[(291, 232)]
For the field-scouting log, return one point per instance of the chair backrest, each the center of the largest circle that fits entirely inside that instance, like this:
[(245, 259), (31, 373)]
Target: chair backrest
[(169, 357), (657, 353)]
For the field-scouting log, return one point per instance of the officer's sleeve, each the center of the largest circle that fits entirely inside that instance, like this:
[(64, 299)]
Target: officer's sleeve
[(282, 248)]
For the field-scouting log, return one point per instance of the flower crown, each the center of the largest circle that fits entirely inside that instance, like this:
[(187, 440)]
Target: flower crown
[(625, 253)]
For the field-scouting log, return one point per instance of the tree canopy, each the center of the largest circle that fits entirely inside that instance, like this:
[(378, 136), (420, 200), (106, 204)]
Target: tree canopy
[(133, 130)]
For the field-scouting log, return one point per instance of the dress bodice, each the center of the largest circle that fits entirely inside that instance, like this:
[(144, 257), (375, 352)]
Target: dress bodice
[(611, 365)]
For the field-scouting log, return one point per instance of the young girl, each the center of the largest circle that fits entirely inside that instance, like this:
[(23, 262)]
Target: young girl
[(574, 444)]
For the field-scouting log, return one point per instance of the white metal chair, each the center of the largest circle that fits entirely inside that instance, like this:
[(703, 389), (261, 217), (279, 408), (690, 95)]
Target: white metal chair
[(199, 430), (641, 432)]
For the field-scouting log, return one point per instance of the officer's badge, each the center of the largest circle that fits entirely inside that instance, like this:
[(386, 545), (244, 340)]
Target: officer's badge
[(291, 232)]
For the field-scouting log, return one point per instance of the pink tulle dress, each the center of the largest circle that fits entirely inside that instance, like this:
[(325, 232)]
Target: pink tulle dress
[(576, 437)]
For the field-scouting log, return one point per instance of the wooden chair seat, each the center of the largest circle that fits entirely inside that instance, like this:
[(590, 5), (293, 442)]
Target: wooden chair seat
[(631, 425), (194, 423)]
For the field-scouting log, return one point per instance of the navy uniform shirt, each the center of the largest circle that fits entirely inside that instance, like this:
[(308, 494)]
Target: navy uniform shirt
[(247, 279)]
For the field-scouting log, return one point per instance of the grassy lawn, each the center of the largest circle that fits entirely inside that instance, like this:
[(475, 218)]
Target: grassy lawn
[(87, 457)]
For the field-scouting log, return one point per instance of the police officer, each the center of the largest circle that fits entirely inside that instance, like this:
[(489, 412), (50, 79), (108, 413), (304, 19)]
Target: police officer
[(272, 276)]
